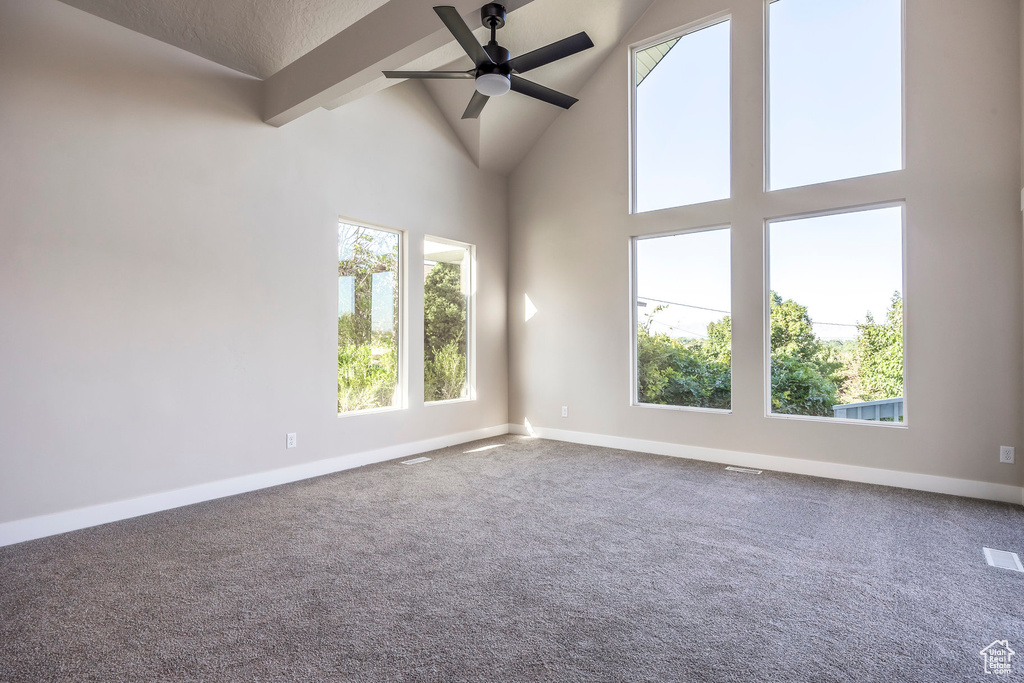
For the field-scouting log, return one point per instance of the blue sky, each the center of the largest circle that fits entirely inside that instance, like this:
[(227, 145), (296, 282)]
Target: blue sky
[(682, 129), (835, 90), (692, 268), (835, 103), (839, 266)]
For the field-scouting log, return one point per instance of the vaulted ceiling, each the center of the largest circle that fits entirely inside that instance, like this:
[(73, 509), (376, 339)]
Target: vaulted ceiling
[(325, 53), (256, 37)]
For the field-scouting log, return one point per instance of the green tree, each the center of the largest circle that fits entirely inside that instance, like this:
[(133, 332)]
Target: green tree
[(444, 309), (844, 351), (807, 375), (799, 388), (791, 330), (367, 253), (444, 333), (718, 345), (879, 354), (367, 359), (682, 373)]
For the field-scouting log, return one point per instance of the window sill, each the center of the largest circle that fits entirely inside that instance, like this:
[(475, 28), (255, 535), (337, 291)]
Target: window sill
[(448, 402), (838, 420), (685, 409), (370, 411)]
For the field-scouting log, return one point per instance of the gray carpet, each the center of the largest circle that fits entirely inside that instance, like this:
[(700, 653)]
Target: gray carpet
[(533, 560)]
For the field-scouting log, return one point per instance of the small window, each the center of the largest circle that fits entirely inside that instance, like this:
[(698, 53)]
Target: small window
[(835, 90), (368, 318), (681, 119), (447, 320), (835, 307), (683, 332)]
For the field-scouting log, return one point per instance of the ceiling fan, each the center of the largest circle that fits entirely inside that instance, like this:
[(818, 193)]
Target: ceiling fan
[(495, 73)]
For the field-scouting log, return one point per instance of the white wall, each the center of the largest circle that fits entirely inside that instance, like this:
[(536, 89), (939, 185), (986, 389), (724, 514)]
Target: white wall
[(168, 285), (570, 230)]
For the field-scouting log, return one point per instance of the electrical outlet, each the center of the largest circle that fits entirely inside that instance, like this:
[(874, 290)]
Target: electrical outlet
[(1006, 454), (565, 411), (293, 440)]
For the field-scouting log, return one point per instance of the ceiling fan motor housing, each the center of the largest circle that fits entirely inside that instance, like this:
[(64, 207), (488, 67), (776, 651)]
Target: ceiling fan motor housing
[(494, 79), (498, 55), (492, 15)]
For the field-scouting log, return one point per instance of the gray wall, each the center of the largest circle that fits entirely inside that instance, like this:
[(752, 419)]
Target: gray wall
[(167, 276), (168, 283), (570, 230)]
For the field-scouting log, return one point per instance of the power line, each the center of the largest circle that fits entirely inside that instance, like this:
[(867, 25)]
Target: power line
[(815, 322), (684, 305), (678, 329)]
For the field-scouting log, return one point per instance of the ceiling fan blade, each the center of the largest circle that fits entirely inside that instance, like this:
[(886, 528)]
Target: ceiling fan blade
[(552, 53), (453, 20), (428, 74), (476, 105), (539, 92)]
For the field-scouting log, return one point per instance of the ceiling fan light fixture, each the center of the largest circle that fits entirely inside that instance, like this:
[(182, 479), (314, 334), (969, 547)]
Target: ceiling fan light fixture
[(493, 85)]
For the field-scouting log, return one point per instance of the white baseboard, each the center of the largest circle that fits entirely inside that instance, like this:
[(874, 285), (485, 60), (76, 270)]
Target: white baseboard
[(81, 518), (815, 468)]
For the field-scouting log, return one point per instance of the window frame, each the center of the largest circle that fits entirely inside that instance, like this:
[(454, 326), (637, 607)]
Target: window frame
[(767, 111), (402, 385), (634, 375), (766, 327), (680, 32), (471, 392)]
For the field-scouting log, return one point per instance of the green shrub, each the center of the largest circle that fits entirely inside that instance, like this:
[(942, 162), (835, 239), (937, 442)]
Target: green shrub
[(445, 373), (367, 375), (680, 373)]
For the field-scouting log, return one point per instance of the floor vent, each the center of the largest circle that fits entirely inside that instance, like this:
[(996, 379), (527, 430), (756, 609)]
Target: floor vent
[(742, 469), (415, 461), (1003, 559)]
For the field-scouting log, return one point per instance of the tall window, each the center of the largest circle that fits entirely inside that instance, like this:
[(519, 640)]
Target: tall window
[(835, 90), (681, 119), (447, 320), (683, 342), (368, 318), (834, 300), (836, 315)]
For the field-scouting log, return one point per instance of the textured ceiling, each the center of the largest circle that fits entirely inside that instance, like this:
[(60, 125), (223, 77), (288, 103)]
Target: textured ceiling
[(260, 37), (257, 37)]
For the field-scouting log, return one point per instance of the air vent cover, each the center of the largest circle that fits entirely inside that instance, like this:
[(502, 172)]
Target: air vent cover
[(1003, 559), (742, 469)]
